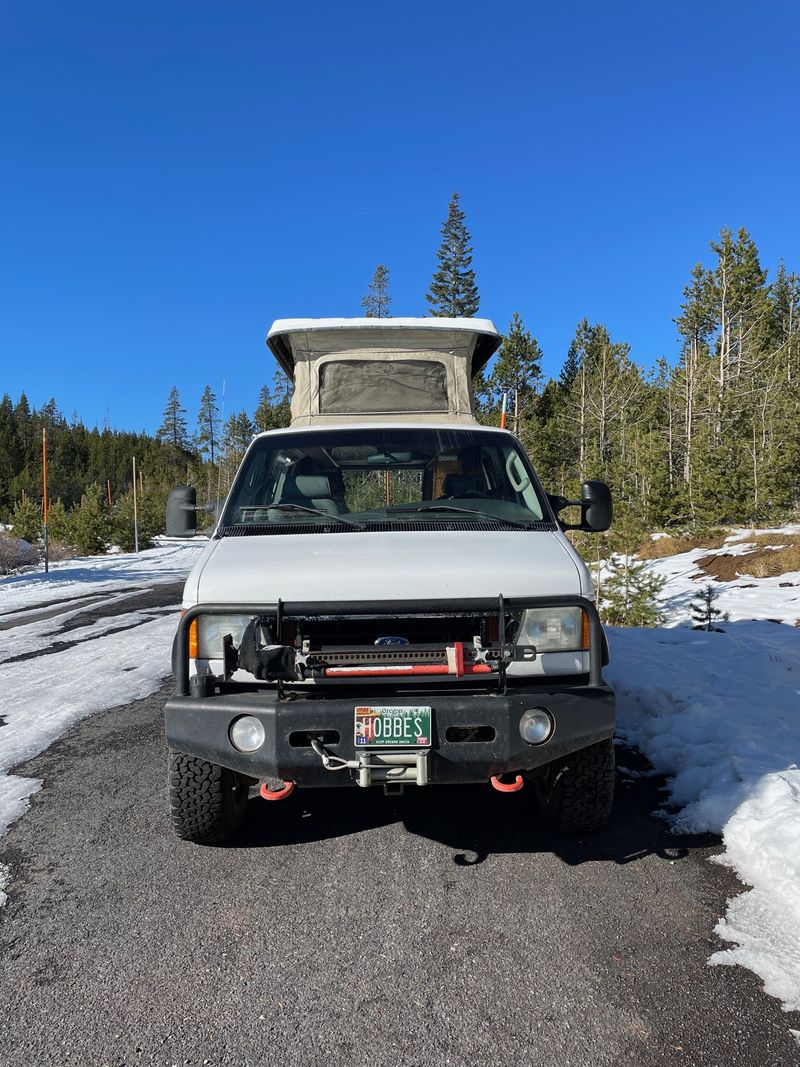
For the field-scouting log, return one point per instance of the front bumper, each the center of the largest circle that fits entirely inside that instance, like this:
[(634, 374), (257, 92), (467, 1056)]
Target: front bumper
[(199, 726)]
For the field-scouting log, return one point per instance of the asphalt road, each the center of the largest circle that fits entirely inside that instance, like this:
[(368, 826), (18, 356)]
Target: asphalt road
[(440, 928)]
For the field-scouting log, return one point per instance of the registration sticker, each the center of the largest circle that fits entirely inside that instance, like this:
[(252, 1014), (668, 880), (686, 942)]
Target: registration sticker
[(392, 727)]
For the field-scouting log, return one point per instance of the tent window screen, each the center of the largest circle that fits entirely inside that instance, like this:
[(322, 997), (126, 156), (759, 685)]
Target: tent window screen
[(363, 386)]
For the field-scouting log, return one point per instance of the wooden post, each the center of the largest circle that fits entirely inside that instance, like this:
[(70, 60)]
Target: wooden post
[(44, 501), (135, 511)]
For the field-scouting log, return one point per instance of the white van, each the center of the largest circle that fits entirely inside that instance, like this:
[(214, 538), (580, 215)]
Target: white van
[(388, 597)]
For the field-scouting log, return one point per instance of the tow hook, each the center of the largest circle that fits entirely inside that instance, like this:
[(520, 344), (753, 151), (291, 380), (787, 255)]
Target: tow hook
[(277, 794), (507, 787)]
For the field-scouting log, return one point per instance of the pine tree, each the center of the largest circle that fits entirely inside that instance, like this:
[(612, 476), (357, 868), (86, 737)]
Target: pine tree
[(150, 516), (58, 526), (236, 436), (274, 406), (517, 369), (453, 292), (629, 596), (704, 614), (26, 521), (173, 427), (90, 524), (208, 425), (377, 301), (785, 301)]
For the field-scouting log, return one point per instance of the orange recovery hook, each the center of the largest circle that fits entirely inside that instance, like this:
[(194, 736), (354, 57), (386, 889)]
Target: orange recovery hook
[(277, 794), (507, 787)]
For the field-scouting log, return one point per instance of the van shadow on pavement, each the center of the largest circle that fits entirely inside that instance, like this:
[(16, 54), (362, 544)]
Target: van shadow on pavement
[(477, 822)]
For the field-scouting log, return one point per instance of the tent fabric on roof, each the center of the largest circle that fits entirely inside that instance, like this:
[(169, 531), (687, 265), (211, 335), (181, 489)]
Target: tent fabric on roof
[(382, 368)]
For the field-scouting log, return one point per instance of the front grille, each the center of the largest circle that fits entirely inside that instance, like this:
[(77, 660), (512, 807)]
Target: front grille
[(436, 631)]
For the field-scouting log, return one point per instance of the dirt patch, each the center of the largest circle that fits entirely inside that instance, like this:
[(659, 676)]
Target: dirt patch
[(723, 567), (671, 546), (771, 556), (770, 562)]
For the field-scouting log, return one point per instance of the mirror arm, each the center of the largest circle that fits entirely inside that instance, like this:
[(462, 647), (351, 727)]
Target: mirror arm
[(558, 503)]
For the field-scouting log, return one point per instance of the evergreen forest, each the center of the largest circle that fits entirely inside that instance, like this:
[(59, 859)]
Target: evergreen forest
[(708, 436)]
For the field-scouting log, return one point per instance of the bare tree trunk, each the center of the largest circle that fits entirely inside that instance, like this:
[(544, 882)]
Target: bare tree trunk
[(691, 372), (582, 432)]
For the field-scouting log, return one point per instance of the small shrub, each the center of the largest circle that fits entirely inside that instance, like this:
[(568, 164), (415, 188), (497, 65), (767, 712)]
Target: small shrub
[(629, 594), (26, 521), (58, 524), (15, 553), (704, 614), (150, 516), (59, 550), (89, 524)]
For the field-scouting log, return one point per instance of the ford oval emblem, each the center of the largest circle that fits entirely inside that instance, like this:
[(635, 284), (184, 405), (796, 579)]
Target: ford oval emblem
[(391, 642)]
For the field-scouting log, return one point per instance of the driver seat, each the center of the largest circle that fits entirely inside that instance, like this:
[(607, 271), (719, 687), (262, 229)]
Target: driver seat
[(461, 484), (310, 491)]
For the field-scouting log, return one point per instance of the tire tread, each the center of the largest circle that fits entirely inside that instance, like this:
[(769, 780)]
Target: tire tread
[(201, 799), (579, 796)]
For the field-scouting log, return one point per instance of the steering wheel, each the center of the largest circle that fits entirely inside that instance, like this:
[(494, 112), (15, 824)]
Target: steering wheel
[(469, 494)]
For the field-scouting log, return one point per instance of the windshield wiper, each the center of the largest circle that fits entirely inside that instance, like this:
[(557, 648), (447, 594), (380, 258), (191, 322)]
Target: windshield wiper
[(313, 511), (474, 511)]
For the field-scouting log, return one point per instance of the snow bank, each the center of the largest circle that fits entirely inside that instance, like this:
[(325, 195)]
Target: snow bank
[(762, 841), (719, 713), (115, 660), (44, 697)]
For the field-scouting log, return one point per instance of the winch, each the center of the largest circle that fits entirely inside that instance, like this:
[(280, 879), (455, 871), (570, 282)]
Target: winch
[(391, 768)]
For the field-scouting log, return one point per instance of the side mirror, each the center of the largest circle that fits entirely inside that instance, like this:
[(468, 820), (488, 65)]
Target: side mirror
[(596, 508), (181, 506), (595, 505)]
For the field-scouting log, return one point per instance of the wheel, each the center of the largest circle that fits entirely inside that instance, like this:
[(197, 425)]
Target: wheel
[(576, 793), (207, 802)]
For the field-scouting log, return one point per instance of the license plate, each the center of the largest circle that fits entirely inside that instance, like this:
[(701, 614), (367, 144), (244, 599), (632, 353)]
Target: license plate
[(389, 727)]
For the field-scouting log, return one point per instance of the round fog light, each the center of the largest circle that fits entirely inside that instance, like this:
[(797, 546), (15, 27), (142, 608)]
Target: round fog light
[(247, 733), (536, 726)]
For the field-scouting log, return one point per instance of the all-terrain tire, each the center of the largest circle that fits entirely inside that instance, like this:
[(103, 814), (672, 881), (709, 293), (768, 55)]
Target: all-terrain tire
[(207, 802), (576, 793)]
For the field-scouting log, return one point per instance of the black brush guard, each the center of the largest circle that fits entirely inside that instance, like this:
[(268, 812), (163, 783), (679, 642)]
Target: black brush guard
[(503, 607), (476, 719)]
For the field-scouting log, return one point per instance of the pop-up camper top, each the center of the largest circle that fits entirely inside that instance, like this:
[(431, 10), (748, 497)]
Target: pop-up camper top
[(377, 369)]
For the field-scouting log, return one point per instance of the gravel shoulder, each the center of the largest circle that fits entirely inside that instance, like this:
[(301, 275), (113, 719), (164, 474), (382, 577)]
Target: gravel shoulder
[(442, 927)]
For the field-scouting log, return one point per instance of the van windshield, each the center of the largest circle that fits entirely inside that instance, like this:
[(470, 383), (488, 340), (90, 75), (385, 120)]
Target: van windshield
[(371, 475)]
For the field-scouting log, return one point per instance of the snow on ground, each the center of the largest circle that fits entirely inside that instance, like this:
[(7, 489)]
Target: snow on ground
[(170, 561), (115, 660), (719, 713)]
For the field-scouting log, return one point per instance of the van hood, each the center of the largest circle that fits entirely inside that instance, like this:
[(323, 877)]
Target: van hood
[(385, 566)]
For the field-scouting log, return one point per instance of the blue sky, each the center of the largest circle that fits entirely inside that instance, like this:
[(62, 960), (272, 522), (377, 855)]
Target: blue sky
[(176, 175)]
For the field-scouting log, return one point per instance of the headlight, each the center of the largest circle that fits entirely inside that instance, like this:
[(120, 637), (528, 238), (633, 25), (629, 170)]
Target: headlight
[(247, 733), (211, 629), (554, 629)]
